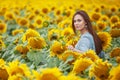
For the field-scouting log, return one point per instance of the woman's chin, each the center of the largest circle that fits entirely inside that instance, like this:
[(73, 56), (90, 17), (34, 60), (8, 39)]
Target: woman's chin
[(78, 29)]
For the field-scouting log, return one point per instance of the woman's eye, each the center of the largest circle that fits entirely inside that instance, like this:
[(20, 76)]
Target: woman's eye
[(78, 20), (74, 20)]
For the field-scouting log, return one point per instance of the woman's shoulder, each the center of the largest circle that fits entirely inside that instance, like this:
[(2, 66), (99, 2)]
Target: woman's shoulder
[(87, 35)]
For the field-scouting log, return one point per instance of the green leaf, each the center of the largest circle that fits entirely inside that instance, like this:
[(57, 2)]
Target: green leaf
[(35, 56)]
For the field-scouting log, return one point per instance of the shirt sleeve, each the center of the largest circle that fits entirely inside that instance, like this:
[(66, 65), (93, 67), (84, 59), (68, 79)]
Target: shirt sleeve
[(83, 44)]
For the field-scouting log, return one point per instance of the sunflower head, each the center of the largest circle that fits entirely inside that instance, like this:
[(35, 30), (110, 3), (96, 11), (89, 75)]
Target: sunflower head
[(3, 28), (90, 54), (53, 34), (95, 16), (22, 49), (38, 21), (67, 33), (32, 26), (115, 52), (71, 76), (100, 70), (115, 33), (57, 48), (16, 68), (113, 8), (114, 19), (116, 26), (104, 18), (3, 74), (114, 73), (68, 53), (45, 10), (30, 33), (105, 38), (17, 31), (36, 42), (81, 64), (101, 25), (9, 16), (50, 74), (2, 45), (23, 22), (97, 9)]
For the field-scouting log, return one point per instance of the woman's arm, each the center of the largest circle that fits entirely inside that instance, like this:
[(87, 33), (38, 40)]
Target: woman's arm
[(70, 47)]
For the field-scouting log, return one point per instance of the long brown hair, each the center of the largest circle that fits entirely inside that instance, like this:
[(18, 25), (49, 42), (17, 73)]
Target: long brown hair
[(97, 41)]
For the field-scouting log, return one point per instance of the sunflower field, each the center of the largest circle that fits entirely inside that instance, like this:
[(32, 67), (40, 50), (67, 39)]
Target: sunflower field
[(34, 35)]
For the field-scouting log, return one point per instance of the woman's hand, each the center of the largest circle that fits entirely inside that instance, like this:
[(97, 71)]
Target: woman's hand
[(70, 47)]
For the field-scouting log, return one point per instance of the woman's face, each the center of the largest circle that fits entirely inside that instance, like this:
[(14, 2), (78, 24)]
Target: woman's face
[(79, 22)]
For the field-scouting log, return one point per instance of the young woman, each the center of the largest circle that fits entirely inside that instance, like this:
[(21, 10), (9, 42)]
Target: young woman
[(89, 39)]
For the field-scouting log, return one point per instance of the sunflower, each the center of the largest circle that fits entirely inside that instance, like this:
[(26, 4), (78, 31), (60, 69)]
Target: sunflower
[(59, 19), (105, 38), (16, 11), (57, 48), (71, 76), (23, 22), (104, 18), (95, 16), (16, 68), (45, 23), (36, 42), (102, 6), (36, 75), (3, 28), (115, 32), (72, 41), (65, 23), (114, 19), (113, 8), (57, 12), (68, 53), (90, 54), (101, 26), (36, 12), (38, 22), (53, 8), (2, 45), (114, 73), (9, 16), (30, 33), (2, 11), (116, 26), (67, 13), (22, 49), (81, 64), (15, 77), (118, 59), (17, 31), (3, 73), (2, 63), (115, 52), (45, 10), (97, 9), (31, 16), (50, 74), (67, 33), (53, 34), (100, 70)]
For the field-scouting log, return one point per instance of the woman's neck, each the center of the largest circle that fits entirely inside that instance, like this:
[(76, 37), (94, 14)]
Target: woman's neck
[(83, 31)]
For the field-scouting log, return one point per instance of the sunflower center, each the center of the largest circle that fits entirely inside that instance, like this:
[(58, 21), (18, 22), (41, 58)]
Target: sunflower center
[(18, 71), (49, 77), (1, 27)]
